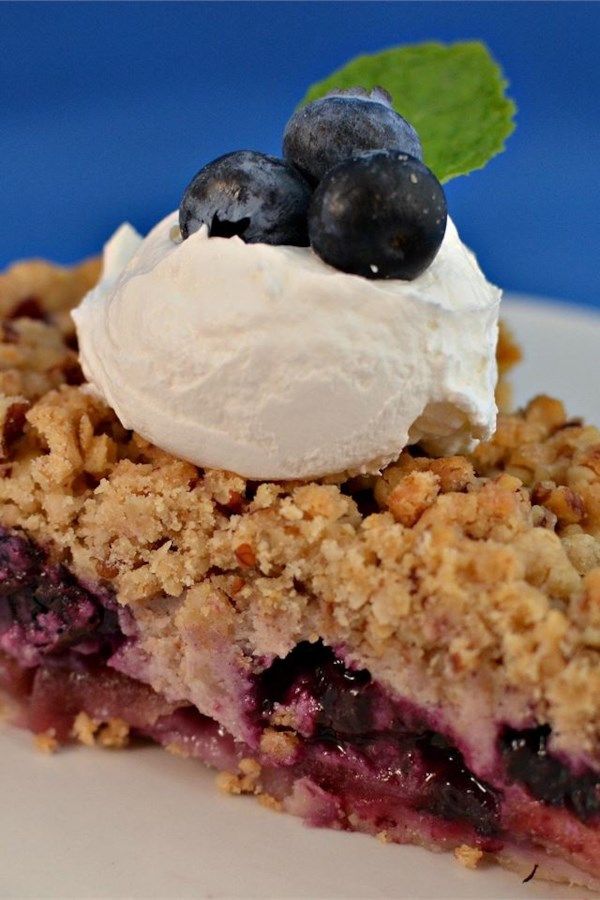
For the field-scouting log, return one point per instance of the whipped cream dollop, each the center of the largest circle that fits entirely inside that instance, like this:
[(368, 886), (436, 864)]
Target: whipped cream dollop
[(265, 361)]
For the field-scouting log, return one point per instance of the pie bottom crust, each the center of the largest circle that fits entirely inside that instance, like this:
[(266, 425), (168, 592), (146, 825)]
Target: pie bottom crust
[(413, 655)]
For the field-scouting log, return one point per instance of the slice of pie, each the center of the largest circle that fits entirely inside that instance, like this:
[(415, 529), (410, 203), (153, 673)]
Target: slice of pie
[(414, 654)]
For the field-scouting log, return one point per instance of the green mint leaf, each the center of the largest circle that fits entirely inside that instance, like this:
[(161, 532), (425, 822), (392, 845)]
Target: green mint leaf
[(454, 95)]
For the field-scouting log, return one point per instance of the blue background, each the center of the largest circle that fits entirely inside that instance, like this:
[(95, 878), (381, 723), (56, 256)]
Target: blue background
[(107, 110)]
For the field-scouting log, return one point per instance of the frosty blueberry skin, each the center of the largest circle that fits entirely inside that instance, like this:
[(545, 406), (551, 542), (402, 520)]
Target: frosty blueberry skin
[(328, 131), (247, 194)]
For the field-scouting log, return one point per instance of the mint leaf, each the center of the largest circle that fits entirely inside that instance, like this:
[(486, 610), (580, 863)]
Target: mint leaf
[(454, 96)]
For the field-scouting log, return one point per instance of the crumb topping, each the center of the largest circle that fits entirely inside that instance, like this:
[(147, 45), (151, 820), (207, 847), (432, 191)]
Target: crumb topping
[(270, 802), (84, 729), (112, 734), (245, 781), (450, 579), (508, 354), (469, 857), (279, 746), (46, 742), (37, 336)]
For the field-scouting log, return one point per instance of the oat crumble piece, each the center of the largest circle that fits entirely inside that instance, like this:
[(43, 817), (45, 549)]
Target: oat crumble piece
[(114, 735), (279, 746), (177, 750), (84, 729), (228, 783), (46, 742), (469, 857), (246, 781), (270, 802)]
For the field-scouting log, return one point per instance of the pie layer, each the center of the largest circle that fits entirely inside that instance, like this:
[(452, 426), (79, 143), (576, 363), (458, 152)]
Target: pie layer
[(413, 655)]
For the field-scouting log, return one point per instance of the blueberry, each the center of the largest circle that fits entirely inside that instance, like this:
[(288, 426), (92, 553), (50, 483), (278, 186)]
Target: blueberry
[(343, 124), (259, 198), (528, 760), (44, 610), (382, 215)]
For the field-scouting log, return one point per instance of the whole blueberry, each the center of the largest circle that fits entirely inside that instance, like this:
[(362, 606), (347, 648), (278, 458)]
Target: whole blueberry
[(259, 198), (382, 215), (343, 124)]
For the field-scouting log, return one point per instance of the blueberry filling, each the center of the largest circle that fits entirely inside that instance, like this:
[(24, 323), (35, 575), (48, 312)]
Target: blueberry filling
[(528, 761), (369, 750), (342, 696), (352, 728), (20, 561), (45, 612)]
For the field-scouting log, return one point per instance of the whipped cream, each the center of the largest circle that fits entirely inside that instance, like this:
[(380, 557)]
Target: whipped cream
[(267, 362)]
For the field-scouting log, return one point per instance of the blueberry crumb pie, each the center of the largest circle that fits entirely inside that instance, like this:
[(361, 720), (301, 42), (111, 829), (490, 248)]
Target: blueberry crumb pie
[(256, 504)]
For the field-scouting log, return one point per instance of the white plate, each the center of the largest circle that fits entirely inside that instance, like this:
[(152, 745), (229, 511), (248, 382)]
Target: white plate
[(142, 823)]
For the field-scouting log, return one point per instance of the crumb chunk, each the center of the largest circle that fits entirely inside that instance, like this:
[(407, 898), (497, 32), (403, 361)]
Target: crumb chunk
[(46, 742), (114, 735), (286, 718), (546, 411), (563, 502), (228, 783), (270, 802), (280, 746), (84, 729), (469, 857), (245, 781), (412, 496), (177, 750)]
